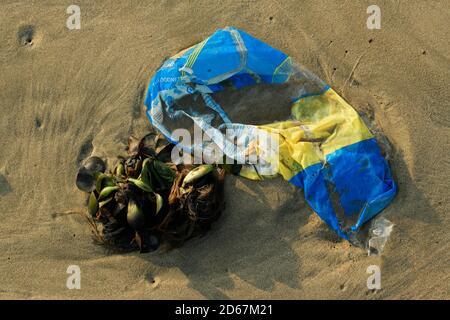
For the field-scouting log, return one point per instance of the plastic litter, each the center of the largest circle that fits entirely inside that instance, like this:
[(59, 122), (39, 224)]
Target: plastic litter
[(232, 80), (379, 233)]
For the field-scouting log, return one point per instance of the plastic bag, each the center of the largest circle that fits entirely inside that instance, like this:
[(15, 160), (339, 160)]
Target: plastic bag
[(232, 80), (379, 233)]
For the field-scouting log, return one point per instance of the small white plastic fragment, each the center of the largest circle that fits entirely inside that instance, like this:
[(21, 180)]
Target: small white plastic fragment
[(379, 233)]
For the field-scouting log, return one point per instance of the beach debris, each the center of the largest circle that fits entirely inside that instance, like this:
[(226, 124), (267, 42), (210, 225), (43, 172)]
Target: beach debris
[(146, 199), (195, 201), (86, 175), (95, 164), (379, 232), (239, 91)]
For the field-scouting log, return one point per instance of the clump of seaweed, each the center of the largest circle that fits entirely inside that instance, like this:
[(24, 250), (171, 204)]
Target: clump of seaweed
[(147, 199)]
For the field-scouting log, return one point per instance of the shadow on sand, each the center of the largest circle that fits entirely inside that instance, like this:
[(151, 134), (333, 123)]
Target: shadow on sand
[(251, 241)]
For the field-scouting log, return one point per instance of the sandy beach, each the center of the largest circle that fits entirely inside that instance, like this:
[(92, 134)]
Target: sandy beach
[(68, 94)]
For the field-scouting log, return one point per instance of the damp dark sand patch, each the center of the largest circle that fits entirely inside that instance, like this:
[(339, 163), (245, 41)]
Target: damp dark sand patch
[(4, 185)]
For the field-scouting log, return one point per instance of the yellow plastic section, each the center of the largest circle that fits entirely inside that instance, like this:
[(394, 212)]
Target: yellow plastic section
[(322, 124)]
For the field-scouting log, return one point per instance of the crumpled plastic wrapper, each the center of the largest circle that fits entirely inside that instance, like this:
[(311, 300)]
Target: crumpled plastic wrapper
[(282, 115)]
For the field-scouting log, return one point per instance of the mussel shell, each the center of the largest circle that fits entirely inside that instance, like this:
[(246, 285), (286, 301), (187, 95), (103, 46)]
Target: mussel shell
[(95, 164), (85, 180)]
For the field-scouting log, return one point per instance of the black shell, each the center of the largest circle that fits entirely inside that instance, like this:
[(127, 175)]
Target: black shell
[(95, 164), (85, 180)]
